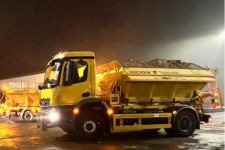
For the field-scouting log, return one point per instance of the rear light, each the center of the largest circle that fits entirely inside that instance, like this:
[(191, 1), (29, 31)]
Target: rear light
[(210, 116), (213, 105), (211, 76), (201, 122)]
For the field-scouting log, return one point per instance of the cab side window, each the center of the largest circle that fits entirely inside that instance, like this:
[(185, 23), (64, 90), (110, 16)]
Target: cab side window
[(80, 72)]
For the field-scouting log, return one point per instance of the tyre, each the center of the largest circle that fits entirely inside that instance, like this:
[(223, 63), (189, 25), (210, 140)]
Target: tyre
[(28, 116), (185, 124), (68, 130), (170, 131), (43, 122), (89, 126)]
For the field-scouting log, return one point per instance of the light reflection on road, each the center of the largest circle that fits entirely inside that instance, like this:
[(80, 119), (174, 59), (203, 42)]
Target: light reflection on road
[(25, 136)]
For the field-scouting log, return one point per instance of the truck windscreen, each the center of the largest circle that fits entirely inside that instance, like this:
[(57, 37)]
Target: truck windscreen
[(52, 75)]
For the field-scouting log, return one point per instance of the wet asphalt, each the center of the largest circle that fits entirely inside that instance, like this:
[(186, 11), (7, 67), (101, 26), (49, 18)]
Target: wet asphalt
[(25, 136)]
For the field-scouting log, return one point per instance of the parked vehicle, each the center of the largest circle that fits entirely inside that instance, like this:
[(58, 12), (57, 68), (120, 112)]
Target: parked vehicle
[(88, 101), (20, 100)]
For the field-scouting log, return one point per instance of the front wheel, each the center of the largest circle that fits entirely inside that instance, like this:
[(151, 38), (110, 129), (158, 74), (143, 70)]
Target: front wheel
[(68, 130), (89, 126)]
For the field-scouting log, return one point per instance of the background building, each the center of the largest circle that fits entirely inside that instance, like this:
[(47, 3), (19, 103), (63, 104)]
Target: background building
[(37, 78)]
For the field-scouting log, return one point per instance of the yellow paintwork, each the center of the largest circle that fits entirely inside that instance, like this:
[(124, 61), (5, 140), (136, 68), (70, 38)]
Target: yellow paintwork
[(47, 94), (17, 99), (160, 107), (72, 54), (22, 97), (146, 83), (139, 125), (3, 108), (147, 115), (169, 79), (135, 83), (70, 95), (114, 83), (168, 72), (24, 91)]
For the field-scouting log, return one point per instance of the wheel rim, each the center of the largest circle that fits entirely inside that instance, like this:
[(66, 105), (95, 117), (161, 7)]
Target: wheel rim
[(89, 126), (28, 117), (185, 123)]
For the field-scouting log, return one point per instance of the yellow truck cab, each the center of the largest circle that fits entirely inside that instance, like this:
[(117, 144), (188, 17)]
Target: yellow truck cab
[(88, 101)]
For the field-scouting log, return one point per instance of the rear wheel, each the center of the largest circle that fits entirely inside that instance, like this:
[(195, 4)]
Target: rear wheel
[(89, 126), (170, 131), (28, 116), (185, 124)]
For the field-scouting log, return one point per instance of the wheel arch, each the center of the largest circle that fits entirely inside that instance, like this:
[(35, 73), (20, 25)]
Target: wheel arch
[(23, 112), (92, 103), (180, 109)]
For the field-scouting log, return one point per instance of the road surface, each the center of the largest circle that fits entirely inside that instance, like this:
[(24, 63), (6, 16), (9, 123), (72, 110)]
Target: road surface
[(25, 136)]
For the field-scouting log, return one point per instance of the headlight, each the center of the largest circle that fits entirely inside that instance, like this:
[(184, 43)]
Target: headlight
[(53, 116)]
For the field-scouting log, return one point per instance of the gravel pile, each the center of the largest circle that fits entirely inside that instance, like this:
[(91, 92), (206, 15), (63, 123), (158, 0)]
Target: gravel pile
[(158, 63)]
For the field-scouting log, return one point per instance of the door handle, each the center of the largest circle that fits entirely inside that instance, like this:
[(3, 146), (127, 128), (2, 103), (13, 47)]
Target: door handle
[(87, 94)]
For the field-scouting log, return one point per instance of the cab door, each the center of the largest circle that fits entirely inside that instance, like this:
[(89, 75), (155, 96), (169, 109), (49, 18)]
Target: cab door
[(80, 86)]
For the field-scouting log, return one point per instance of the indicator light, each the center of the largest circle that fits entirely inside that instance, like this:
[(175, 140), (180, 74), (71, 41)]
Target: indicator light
[(75, 110), (110, 111), (33, 109), (4, 87), (174, 112)]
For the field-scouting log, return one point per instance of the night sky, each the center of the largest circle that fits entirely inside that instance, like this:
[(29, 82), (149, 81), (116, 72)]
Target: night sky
[(32, 31)]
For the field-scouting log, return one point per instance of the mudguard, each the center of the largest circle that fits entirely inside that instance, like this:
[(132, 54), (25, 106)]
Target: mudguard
[(181, 108), (97, 101)]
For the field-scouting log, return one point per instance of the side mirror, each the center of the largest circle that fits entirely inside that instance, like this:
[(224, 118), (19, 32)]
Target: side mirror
[(69, 73)]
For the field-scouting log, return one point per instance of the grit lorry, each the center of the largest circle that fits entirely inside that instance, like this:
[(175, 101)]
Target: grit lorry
[(88, 100), (20, 100)]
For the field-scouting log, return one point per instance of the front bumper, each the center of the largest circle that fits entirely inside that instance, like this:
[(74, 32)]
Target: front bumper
[(65, 118)]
